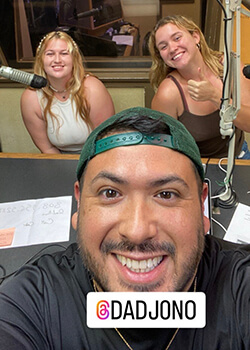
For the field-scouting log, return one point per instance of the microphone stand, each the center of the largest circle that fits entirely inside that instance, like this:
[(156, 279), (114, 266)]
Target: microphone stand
[(231, 89)]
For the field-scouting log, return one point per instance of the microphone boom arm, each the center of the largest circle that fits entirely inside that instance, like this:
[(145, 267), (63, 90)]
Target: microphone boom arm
[(231, 84)]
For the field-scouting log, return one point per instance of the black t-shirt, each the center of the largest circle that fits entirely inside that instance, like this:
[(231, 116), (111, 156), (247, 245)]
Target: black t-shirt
[(44, 306)]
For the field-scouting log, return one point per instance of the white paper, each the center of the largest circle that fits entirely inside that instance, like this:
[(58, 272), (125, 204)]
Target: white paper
[(123, 39), (35, 221), (239, 228)]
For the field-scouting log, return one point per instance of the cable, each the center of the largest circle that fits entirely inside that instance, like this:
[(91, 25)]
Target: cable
[(226, 54), (223, 8), (220, 166), (205, 166), (221, 194), (230, 203), (219, 224), (226, 186), (33, 257)]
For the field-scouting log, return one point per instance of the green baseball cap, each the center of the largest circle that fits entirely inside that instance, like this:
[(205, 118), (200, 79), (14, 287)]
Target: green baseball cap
[(179, 139)]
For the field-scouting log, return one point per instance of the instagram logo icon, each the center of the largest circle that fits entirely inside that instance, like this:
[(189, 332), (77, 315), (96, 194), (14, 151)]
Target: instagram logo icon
[(102, 311)]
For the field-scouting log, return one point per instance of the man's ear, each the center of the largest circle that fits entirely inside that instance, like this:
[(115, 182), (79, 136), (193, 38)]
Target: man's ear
[(206, 221), (77, 197)]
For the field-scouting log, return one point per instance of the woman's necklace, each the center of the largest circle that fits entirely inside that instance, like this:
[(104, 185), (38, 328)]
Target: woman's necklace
[(59, 91), (122, 337)]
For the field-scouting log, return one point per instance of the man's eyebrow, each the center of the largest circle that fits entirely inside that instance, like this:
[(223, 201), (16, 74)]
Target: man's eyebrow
[(109, 176), (168, 180), (154, 183)]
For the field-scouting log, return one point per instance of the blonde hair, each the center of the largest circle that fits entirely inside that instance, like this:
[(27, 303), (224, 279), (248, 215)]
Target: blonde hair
[(159, 70), (75, 84)]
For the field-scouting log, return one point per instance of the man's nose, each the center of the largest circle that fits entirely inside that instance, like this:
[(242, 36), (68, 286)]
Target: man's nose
[(138, 222)]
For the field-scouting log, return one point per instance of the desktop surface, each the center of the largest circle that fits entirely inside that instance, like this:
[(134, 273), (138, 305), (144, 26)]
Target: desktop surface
[(23, 179)]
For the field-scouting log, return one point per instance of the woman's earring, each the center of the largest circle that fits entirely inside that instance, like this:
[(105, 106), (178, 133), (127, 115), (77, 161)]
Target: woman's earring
[(198, 45)]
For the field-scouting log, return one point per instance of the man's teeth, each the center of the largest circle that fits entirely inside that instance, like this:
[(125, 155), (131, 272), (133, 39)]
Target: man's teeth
[(140, 265)]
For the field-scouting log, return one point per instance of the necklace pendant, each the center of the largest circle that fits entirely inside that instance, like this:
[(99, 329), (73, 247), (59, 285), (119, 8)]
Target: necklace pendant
[(59, 92)]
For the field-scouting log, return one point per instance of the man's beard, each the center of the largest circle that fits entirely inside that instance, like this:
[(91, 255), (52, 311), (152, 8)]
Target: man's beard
[(102, 276)]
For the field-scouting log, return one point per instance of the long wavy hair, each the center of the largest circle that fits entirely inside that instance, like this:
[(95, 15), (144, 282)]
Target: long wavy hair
[(159, 70), (75, 84)]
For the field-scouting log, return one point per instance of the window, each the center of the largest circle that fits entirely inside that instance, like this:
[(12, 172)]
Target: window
[(110, 33)]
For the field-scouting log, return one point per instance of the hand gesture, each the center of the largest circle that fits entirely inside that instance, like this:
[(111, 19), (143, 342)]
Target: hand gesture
[(203, 90)]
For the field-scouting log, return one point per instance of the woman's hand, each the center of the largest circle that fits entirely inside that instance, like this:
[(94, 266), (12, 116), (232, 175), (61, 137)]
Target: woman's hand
[(203, 90)]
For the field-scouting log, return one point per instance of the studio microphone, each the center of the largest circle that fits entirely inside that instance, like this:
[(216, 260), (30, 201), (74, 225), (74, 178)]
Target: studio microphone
[(89, 13), (246, 71), (33, 80)]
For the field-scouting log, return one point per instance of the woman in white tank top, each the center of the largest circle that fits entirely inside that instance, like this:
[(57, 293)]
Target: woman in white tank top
[(60, 116)]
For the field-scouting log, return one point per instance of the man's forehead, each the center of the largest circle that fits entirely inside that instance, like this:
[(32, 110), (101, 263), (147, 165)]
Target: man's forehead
[(169, 133), (144, 160)]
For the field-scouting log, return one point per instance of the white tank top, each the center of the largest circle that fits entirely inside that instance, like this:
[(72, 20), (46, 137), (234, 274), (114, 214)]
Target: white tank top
[(70, 132)]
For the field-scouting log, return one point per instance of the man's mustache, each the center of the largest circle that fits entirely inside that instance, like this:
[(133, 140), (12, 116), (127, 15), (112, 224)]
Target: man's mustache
[(144, 247)]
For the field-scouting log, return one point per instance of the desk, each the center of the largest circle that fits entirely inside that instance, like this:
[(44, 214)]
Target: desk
[(27, 176), (241, 185)]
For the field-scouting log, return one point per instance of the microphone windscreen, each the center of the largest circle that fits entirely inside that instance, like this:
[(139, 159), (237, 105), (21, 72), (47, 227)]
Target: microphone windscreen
[(246, 71), (38, 82)]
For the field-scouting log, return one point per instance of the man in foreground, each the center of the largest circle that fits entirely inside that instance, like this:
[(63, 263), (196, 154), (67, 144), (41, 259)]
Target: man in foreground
[(141, 228)]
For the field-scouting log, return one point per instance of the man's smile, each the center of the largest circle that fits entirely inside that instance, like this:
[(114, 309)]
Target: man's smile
[(140, 266)]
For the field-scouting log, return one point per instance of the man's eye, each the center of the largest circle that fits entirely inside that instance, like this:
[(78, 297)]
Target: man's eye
[(110, 193), (166, 195)]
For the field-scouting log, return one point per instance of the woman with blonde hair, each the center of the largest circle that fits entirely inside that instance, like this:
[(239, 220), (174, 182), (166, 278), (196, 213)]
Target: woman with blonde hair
[(187, 77), (60, 116)]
